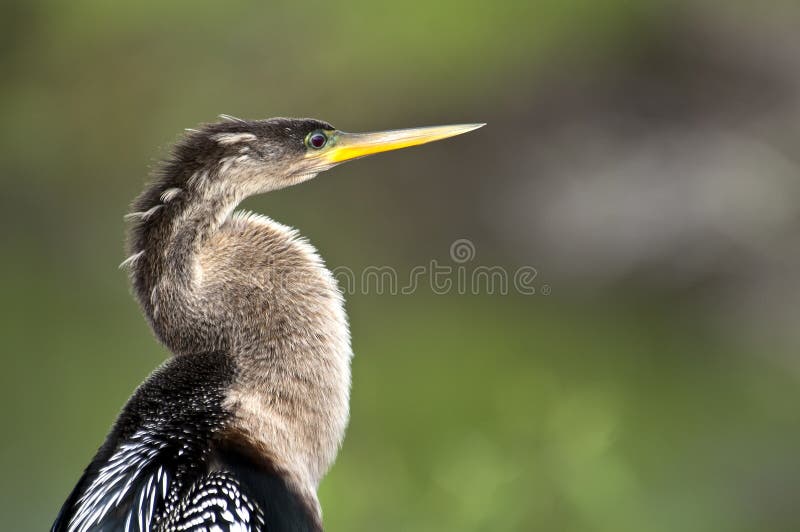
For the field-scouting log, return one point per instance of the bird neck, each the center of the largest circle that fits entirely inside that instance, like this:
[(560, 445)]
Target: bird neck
[(209, 280), (171, 225)]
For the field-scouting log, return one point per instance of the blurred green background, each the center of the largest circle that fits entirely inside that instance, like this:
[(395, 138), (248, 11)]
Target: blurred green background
[(641, 155)]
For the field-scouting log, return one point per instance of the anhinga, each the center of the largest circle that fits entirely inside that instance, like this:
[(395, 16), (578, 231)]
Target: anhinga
[(237, 429)]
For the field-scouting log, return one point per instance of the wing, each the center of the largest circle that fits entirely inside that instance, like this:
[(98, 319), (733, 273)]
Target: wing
[(169, 464), (215, 502), (158, 448), (142, 488), (125, 492)]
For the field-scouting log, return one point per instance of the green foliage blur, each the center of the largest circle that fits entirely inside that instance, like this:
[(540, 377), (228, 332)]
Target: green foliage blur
[(615, 408)]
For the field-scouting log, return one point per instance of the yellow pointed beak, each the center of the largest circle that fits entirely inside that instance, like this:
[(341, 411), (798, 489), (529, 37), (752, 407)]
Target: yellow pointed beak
[(343, 146)]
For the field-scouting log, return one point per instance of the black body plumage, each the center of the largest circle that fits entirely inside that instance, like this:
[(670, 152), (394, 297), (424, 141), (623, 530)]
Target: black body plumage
[(167, 464)]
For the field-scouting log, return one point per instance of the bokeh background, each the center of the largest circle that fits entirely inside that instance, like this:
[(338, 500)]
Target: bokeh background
[(641, 155)]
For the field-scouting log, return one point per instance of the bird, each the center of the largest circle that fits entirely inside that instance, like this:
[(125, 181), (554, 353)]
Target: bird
[(235, 430)]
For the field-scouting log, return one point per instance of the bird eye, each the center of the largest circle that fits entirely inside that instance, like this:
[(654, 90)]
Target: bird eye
[(316, 140)]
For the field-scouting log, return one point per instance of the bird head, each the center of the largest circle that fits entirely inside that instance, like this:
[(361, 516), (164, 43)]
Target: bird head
[(243, 157)]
